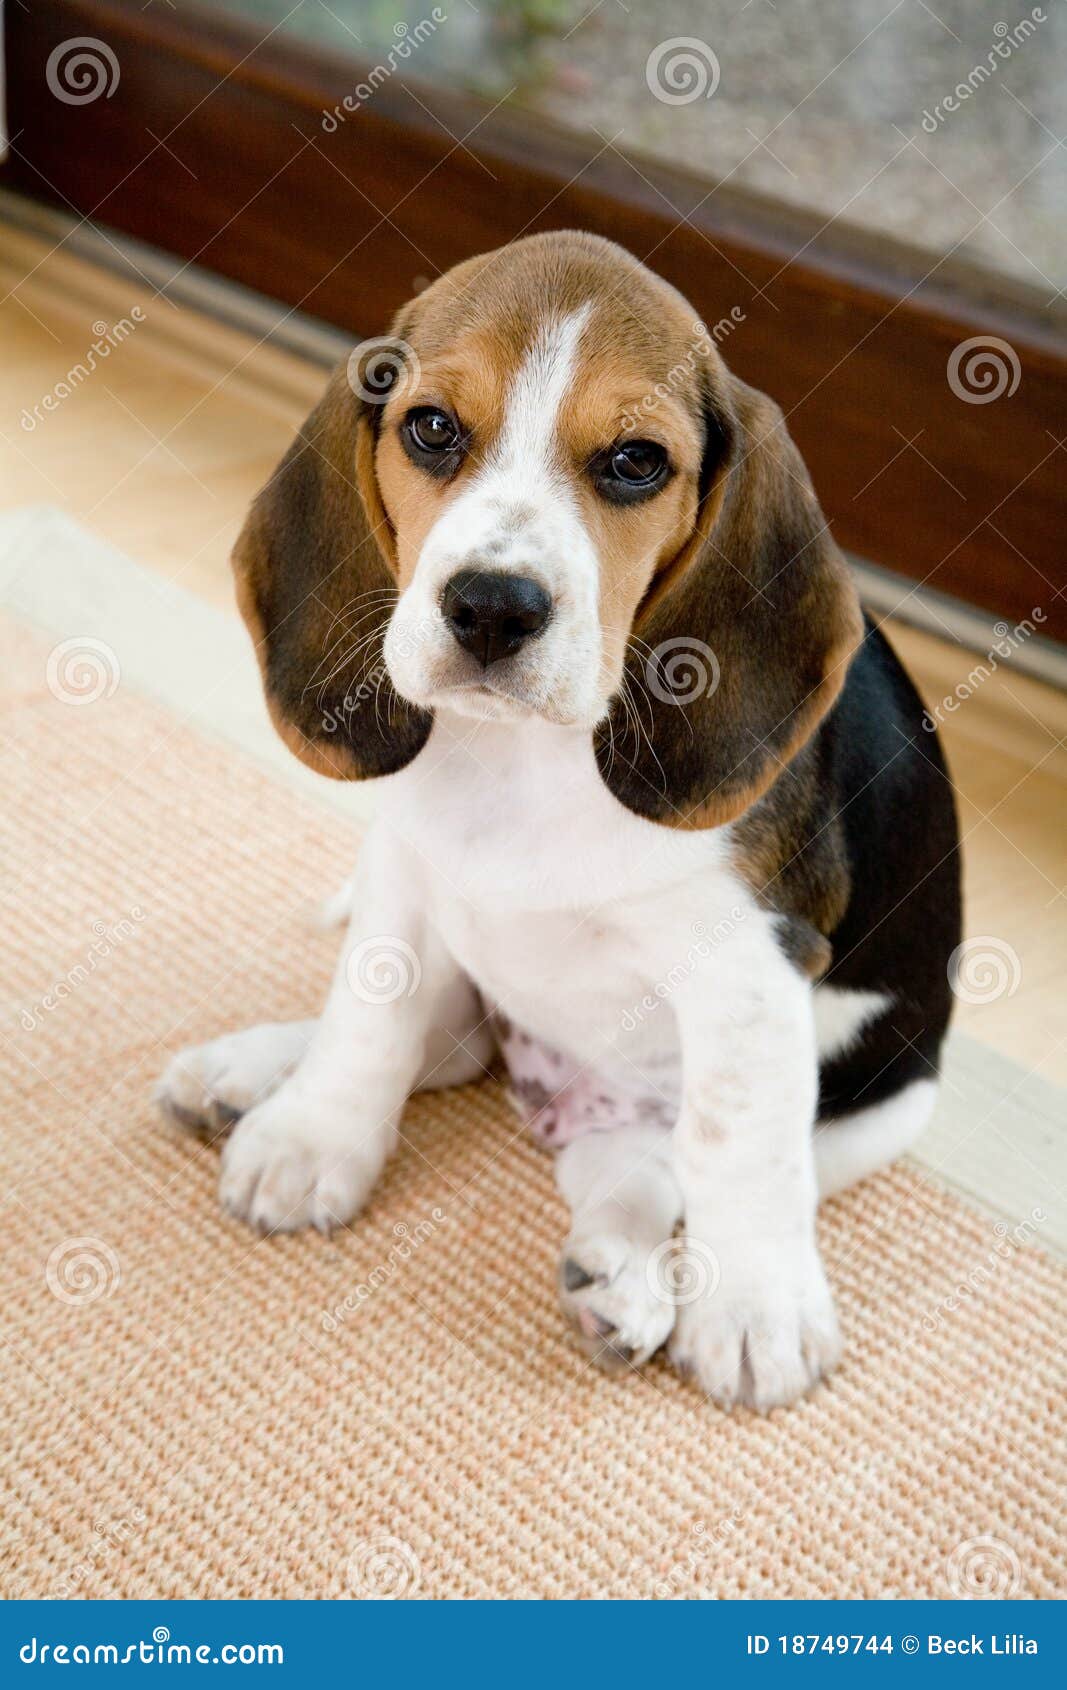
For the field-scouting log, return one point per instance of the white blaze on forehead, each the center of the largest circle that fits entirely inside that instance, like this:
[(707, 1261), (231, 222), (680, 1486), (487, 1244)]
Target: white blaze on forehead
[(537, 393), (516, 514)]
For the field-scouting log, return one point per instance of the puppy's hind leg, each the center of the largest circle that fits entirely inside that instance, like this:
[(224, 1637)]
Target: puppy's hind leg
[(615, 1273), (207, 1088), (849, 1149)]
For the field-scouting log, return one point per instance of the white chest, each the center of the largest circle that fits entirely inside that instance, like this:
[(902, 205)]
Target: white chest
[(572, 916)]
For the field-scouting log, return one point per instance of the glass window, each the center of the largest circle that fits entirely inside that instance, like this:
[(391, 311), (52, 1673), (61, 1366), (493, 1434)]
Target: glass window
[(933, 123)]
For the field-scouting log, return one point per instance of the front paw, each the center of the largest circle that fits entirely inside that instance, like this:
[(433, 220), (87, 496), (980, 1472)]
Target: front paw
[(763, 1347), (287, 1167)]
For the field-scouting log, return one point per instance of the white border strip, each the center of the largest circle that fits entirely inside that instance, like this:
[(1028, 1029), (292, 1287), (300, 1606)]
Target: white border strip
[(166, 642)]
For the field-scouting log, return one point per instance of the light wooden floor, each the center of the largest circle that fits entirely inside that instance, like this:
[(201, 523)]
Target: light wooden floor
[(161, 448)]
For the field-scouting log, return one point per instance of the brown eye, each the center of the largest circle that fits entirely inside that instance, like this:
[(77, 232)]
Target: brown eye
[(631, 470), (431, 431), (638, 462)]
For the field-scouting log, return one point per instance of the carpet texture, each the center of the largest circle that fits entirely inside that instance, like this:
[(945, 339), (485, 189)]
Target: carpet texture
[(398, 1411)]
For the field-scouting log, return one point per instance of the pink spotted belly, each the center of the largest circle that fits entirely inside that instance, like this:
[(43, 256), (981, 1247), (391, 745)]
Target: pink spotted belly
[(559, 1100)]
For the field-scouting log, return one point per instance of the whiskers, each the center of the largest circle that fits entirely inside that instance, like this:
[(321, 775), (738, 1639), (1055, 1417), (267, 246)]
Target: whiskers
[(635, 703), (352, 659)]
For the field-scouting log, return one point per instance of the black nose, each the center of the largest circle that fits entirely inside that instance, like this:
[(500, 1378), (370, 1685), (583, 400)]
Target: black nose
[(491, 613)]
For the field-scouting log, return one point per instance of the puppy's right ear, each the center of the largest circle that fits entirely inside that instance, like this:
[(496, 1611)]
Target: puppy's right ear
[(314, 569)]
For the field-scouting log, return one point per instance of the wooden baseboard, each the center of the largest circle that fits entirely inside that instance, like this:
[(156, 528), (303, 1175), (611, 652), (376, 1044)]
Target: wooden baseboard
[(969, 498)]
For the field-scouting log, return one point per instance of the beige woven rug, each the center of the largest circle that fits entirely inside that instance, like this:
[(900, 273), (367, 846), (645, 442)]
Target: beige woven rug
[(191, 1411)]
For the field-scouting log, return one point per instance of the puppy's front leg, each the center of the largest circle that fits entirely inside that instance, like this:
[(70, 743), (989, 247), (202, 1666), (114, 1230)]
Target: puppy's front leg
[(763, 1329), (313, 1151)]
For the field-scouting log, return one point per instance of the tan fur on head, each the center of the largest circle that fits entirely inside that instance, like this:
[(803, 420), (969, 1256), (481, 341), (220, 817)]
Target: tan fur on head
[(731, 555), (470, 332)]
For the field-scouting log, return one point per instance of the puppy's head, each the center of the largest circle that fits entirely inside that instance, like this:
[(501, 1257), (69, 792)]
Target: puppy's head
[(545, 495)]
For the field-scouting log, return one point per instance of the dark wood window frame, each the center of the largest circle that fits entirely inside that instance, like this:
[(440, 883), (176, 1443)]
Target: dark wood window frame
[(211, 146)]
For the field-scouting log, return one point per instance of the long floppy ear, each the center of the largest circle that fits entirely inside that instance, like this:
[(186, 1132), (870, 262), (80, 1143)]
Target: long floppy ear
[(313, 566), (742, 643)]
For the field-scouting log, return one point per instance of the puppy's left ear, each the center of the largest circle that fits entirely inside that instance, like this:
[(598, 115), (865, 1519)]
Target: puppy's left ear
[(743, 640), (314, 568)]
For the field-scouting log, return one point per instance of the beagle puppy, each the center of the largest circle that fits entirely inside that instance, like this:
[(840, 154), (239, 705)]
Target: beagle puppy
[(661, 825)]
